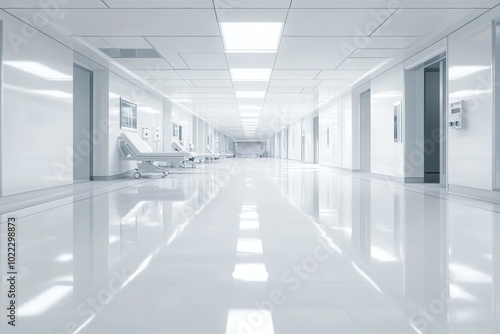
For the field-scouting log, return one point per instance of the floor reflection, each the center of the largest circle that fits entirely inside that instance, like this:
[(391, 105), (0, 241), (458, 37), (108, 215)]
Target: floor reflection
[(259, 246)]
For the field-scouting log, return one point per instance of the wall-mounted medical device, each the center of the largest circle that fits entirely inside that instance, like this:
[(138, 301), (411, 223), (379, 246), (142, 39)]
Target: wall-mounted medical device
[(455, 117), (398, 122), (145, 134)]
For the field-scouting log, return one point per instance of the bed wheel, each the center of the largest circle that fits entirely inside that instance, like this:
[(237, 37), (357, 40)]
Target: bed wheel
[(137, 175), (193, 166)]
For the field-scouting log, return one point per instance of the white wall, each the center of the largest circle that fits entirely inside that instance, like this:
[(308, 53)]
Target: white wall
[(346, 120), (330, 146), (387, 157), (37, 113), (294, 142), (307, 126), (471, 149), (149, 115), (184, 119)]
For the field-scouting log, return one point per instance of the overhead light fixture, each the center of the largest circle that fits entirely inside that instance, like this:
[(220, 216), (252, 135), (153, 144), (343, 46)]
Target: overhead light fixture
[(250, 108), (39, 70), (251, 74), (251, 36), (250, 95)]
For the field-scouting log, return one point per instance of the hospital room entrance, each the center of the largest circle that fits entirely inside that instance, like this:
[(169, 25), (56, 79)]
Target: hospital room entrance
[(82, 124), (426, 125), (434, 122)]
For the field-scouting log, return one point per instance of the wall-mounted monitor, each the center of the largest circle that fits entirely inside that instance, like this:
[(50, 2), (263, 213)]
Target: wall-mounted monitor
[(128, 114), (455, 118)]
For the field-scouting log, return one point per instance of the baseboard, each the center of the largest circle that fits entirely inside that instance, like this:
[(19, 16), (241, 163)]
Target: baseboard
[(414, 179), (111, 178), (475, 193), (390, 178)]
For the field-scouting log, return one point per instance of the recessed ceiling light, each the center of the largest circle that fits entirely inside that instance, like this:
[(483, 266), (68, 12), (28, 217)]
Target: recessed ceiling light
[(250, 108), (251, 36), (251, 74), (246, 116), (250, 95)]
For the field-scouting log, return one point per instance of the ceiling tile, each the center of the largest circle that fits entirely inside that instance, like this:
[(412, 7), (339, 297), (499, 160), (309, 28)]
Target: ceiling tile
[(336, 83), (149, 64), (295, 74), (160, 84), (232, 4), (329, 22), (408, 22), (159, 3), (383, 4), (187, 44), (205, 61), (133, 22), (380, 42), (294, 83), (96, 42), (171, 47), (157, 74), (36, 4), (251, 60), (128, 42), (361, 63), (204, 74), (252, 15), (375, 53), (311, 53), (212, 83), (341, 74), (296, 90)]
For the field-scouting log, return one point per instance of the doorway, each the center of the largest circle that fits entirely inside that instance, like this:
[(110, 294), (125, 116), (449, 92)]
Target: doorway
[(365, 135), (82, 124), (425, 122), (432, 109), (316, 139)]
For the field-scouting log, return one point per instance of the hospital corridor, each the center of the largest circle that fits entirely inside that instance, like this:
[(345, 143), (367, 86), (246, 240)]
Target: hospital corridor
[(249, 166)]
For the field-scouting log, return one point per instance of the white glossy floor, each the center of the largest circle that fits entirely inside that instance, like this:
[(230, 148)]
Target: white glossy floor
[(251, 246)]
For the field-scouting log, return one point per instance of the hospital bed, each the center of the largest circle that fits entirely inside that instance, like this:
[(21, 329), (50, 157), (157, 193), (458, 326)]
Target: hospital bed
[(135, 149), (177, 146), (262, 153), (220, 155)]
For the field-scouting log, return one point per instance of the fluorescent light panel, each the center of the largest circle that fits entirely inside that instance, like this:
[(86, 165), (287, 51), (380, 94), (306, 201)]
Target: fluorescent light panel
[(250, 108), (251, 36), (250, 95), (251, 74)]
